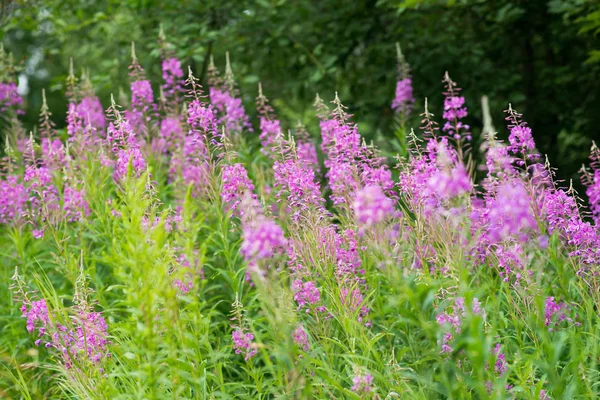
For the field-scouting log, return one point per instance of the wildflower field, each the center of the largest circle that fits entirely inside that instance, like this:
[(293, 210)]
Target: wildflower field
[(166, 246)]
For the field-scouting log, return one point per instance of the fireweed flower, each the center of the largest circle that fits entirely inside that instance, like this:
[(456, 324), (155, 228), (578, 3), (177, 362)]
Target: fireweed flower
[(593, 192), (142, 103), (230, 109), (203, 120), (235, 184), (454, 111), (499, 163), (447, 184), (171, 133), (510, 212), (584, 237), (413, 180), (511, 262), (297, 186), (501, 366), (37, 311), (521, 138), (75, 206), (307, 155), (555, 313), (92, 112), (403, 100), (142, 97), (362, 383), (190, 269), (13, 199), (261, 238), (270, 134), (301, 338), (306, 294), (82, 136), (172, 74), (372, 207), (53, 153), (125, 145), (242, 343), (189, 165), (559, 208), (85, 339), (9, 96), (42, 194)]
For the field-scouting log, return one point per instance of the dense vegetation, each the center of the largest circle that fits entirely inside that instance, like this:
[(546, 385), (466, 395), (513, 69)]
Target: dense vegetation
[(162, 241), (542, 55)]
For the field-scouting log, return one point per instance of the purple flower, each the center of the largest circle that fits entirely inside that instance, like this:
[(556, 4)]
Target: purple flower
[(451, 320), (559, 208), (202, 119), (261, 238), (9, 96), (53, 153), (242, 343), (301, 338), (362, 383), (307, 155), (235, 185), (593, 192), (126, 156), (37, 311), (371, 207), (189, 165), (127, 150), (521, 139), (454, 111), (13, 199), (352, 300), (75, 205), (555, 313), (510, 212), (404, 100), (452, 183), (170, 132), (142, 103), (233, 116), (141, 94), (90, 109), (305, 294), (501, 366), (172, 74), (90, 336), (297, 186), (270, 131)]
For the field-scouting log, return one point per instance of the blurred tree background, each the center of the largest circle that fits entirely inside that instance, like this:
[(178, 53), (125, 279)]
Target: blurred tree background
[(543, 56)]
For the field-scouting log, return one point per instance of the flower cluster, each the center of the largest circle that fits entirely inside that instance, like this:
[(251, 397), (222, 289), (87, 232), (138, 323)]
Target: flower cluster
[(86, 339), (231, 111), (372, 207), (9, 96), (235, 185), (362, 383), (261, 238), (454, 111)]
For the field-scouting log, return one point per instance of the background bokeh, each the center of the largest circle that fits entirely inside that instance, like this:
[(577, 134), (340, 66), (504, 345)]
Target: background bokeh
[(543, 56)]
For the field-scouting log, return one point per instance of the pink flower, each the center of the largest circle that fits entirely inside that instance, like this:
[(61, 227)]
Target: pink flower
[(242, 343), (372, 206)]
